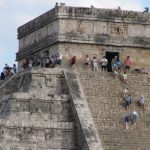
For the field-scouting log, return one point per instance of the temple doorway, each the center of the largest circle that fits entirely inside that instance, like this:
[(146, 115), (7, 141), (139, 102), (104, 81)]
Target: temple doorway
[(110, 55)]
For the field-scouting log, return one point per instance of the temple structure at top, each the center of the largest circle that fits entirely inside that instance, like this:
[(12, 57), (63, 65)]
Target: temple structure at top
[(92, 31)]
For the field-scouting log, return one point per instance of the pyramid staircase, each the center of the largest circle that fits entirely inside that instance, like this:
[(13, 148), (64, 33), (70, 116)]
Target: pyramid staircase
[(105, 99)]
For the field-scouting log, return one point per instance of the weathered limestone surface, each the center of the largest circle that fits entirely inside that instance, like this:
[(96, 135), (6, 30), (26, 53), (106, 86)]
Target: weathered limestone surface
[(84, 118), (105, 99), (79, 31), (43, 109), (37, 114)]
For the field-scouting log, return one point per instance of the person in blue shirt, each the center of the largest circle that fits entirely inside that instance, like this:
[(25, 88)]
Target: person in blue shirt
[(128, 101)]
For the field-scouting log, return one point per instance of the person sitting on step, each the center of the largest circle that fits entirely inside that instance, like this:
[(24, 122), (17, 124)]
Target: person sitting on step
[(115, 73), (124, 77)]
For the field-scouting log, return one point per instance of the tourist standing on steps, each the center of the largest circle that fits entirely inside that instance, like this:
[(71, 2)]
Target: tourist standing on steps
[(25, 64), (127, 64), (87, 62), (141, 102), (2, 75), (118, 62), (128, 101), (73, 62), (47, 62), (135, 117), (38, 63), (104, 63), (52, 61), (95, 64), (125, 92), (127, 120), (30, 63), (59, 59), (113, 64), (11, 72), (14, 68)]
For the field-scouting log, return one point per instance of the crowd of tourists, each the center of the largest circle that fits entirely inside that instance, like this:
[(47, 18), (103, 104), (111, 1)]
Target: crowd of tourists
[(132, 117), (8, 71), (119, 69), (51, 62)]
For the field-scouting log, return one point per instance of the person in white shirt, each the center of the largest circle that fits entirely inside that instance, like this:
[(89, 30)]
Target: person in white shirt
[(135, 117), (104, 63), (12, 72), (141, 102), (125, 92), (47, 62), (59, 58), (95, 65), (30, 64)]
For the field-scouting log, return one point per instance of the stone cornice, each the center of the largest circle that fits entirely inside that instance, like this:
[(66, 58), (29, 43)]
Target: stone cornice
[(46, 42), (111, 15), (37, 23)]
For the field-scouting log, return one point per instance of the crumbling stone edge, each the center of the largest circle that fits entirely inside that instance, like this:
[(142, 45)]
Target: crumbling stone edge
[(88, 138)]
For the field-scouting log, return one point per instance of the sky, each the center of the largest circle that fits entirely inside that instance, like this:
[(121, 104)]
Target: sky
[(14, 13)]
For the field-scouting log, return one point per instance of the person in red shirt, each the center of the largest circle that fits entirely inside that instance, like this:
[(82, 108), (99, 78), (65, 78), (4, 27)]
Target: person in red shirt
[(73, 62), (127, 63)]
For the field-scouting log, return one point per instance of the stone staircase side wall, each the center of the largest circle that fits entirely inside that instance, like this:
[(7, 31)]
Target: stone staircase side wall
[(23, 81), (87, 134), (40, 118)]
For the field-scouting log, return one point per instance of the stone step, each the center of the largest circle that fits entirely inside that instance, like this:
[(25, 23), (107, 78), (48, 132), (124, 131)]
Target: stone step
[(105, 98)]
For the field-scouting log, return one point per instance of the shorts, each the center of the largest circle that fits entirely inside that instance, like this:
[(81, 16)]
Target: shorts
[(104, 67), (127, 103), (127, 67), (86, 64), (59, 61), (72, 63), (127, 119)]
